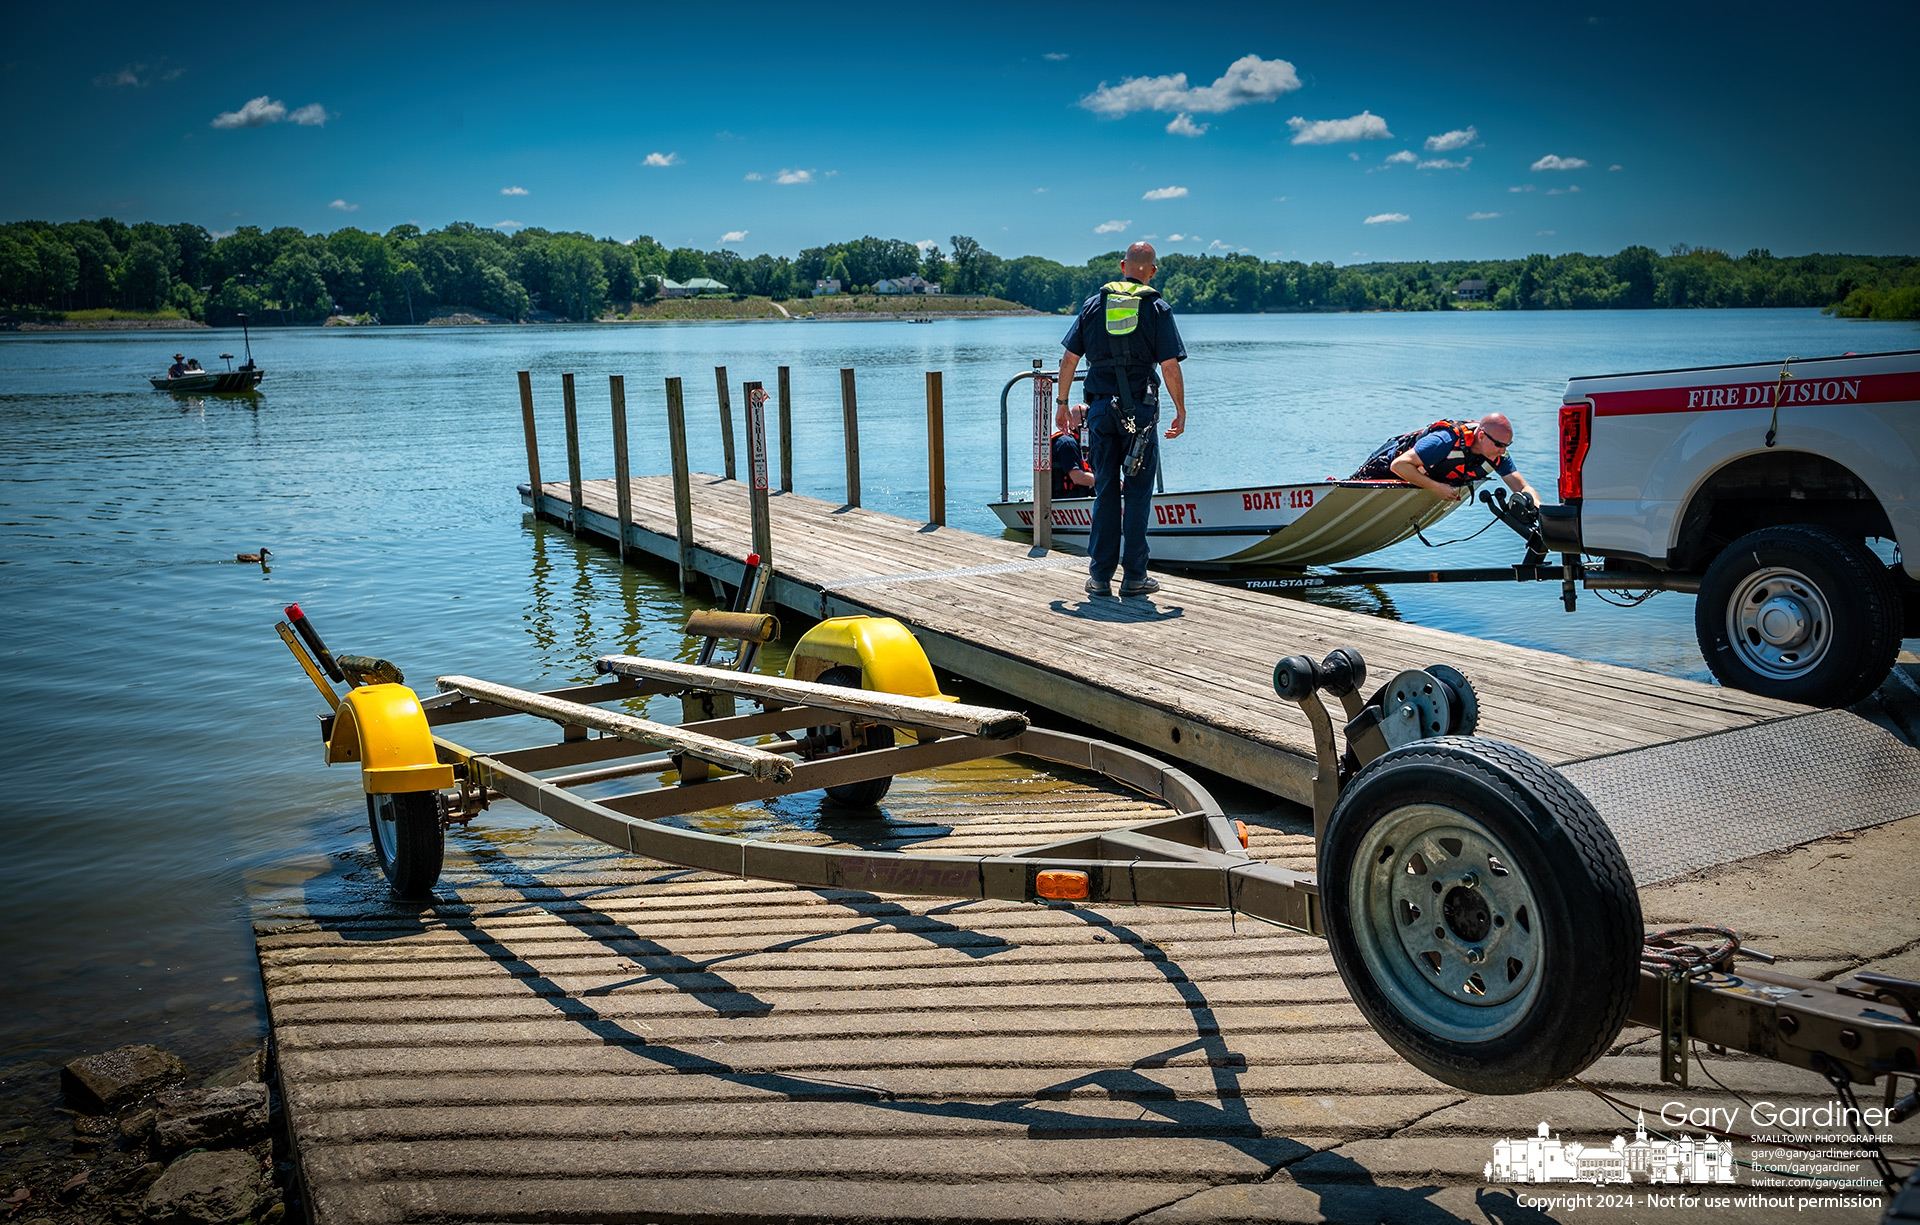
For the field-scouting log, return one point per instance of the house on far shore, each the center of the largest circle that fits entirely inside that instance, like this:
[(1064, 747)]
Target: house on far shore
[(703, 284), (1471, 291), (912, 283), (826, 288), (672, 289)]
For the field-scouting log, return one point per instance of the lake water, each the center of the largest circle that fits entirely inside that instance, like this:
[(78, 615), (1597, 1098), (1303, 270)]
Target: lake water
[(163, 770)]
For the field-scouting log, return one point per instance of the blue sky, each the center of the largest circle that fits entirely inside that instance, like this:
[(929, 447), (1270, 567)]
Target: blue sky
[(1337, 132)]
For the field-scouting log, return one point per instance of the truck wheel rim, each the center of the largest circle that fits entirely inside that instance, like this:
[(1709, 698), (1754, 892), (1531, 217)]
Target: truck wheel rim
[(1779, 623), (1447, 925), (386, 827)]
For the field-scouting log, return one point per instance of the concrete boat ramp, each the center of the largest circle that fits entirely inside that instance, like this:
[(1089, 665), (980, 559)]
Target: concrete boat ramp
[(571, 1034)]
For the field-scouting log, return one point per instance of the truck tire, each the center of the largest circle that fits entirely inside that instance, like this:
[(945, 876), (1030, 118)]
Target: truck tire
[(1801, 614), (408, 841), (1481, 914), (868, 791)]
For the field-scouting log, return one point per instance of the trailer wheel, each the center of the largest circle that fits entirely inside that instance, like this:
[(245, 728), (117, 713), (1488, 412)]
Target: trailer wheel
[(1481, 914), (408, 841), (867, 792), (1799, 613)]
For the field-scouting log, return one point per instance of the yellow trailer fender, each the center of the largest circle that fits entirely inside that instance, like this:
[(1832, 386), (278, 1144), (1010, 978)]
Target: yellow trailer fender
[(383, 728), (889, 659)]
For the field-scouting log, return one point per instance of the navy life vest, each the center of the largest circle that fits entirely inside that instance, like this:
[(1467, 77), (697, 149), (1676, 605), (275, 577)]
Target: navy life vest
[(1459, 466), (1116, 309)]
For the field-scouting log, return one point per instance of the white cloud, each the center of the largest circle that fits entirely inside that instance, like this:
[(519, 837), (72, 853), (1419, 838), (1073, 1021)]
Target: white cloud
[(1615, 166), (513, 191), (344, 207), (1217, 245), (1353, 157), (1364, 126), (1183, 125), (662, 159), (926, 245), (1554, 162), (754, 176), (1447, 142), (222, 233), (1056, 56), (1148, 237), (257, 113), (1563, 191), (794, 176), (1247, 79), (1522, 187), (1176, 238), (1403, 158), (139, 76), (1543, 233), (734, 236), (1446, 163), (1111, 227), (509, 225), (312, 115), (1387, 219), (1483, 216), (1165, 193)]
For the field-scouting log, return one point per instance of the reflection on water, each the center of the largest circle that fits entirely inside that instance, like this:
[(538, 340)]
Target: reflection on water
[(165, 779)]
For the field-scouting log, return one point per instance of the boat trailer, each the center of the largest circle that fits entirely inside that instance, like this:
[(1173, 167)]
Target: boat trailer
[(1478, 909)]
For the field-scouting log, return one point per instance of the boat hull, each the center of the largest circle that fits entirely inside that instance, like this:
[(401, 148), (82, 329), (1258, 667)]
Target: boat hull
[(215, 381), (1317, 523)]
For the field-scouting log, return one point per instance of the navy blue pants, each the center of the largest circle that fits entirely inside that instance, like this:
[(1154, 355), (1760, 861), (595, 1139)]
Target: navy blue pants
[(1119, 534)]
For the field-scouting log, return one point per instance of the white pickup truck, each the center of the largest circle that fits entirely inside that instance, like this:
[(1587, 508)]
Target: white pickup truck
[(1759, 487)]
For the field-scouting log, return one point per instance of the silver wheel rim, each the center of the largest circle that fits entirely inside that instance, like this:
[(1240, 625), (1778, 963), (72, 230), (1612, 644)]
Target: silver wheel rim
[(1448, 928), (386, 828), (1779, 623)]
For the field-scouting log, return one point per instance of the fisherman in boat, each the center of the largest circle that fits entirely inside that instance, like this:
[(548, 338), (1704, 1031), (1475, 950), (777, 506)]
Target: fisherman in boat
[(179, 367), (1127, 335), (1448, 456), (1072, 476)]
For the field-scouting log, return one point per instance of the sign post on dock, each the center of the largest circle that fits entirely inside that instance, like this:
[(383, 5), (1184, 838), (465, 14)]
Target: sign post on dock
[(682, 484), (622, 493), (1042, 459), (850, 420), (533, 441), (757, 472), (579, 498), (936, 450), (726, 417), (785, 384)]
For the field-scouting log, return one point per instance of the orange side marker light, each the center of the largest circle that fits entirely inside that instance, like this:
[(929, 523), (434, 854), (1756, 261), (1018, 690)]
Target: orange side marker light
[(1061, 886), (1240, 827)]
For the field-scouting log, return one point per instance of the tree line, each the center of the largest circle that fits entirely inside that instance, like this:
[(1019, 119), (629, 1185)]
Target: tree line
[(409, 274)]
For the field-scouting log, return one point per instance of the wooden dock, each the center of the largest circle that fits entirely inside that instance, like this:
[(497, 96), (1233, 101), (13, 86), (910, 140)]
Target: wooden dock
[(570, 1034)]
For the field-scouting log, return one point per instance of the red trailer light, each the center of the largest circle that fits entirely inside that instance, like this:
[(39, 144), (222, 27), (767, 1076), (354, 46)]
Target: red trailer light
[(1576, 435)]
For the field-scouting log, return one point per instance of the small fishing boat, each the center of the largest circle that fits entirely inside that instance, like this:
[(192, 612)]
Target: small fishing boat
[(219, 382), (1316, 523)]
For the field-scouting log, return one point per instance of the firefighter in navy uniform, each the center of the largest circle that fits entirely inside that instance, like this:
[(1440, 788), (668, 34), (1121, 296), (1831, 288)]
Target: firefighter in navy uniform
[(1072, 476), (1449, 455), (1127, 335)]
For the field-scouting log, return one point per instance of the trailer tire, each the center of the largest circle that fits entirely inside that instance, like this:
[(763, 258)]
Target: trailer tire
[(1481, 914), (870, 791), (1801, 614), (409, 841)]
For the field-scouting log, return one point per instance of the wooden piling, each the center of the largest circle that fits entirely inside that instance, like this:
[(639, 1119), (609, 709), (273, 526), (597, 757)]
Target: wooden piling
[(682, 484), (578, 498), (785, 384), (850, 424), (533, 441), (726, 416), (757, 471), (936, 450), (1042, 462), (623, 491)]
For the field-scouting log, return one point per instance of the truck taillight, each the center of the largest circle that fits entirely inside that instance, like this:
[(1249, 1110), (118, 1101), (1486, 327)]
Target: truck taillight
[(1576, 435)]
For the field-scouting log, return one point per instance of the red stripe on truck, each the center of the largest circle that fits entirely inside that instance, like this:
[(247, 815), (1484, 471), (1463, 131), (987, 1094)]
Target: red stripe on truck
[(1801, 389)]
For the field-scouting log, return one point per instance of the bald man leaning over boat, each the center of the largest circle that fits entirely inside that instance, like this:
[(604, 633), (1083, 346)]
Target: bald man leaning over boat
[(1127, 334), (1449, 455)]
